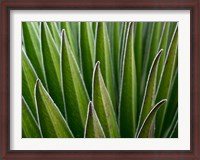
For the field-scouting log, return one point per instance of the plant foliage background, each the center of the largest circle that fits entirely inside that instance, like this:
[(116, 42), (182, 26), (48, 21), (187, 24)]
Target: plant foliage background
[(99, 79)]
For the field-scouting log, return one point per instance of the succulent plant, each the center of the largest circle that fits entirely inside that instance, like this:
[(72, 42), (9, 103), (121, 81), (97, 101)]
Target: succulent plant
[(99, 80)]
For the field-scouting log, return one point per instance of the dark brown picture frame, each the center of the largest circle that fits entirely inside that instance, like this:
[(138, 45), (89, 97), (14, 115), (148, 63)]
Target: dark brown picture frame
[(8, 5)]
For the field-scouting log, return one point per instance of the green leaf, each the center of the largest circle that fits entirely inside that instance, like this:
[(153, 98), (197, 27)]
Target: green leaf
[(172, 126), (94, 28), (154, 43), (128, 92), (103, 54), (87, 54), (29, 78), (145, 128), (93, 128), (103, 105), (75, 30), (36, 25), (172, 103), (110, 27), (116, 54), (163, 45), (124, 35), (33, 49), (174, 133), (149, 27), (171, 32), (72, 41), (52, 123), (166, 80), (139, 49), (150, 91), (51, 60), (55, 33), (75, 93), (152, 47), (30, 128)]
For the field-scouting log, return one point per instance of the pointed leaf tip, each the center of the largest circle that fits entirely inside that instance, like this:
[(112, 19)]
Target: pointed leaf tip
[(97, 67), (104, 55), (63, 34), (90, 107), (150, 89), (103, 104), (93, 128), (145, 128), (74, 90)]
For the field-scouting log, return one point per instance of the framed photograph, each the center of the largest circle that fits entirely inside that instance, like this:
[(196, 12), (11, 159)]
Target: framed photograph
[(100, 79)]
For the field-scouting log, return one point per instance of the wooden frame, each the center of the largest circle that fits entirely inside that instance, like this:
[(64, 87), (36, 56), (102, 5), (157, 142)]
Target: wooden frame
[(8, 5)]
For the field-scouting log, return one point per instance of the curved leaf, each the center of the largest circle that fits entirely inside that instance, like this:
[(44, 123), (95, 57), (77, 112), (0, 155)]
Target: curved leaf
[(103, 54), (93, 127), (52, 123), (33, 48), (29, 78), (145, 128), (148, 35), (128, 92), (166, 80), (51, 60), (103, 105), (150, 91), (30, 128), (75, 93), (87, 54)]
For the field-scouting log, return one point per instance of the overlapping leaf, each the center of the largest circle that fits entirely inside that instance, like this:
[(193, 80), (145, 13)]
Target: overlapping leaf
[(147, 46), (116, 54), (72, 40), (166, 80), (29, 78), (52, 123), (55, 33), (51, 60), (138, 48), (103, 54), (128, 92), (103, 105), (124, 89), (31, 41), (154, 43), (75, 93), (163, 45), (150, 91), (87, 54)]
